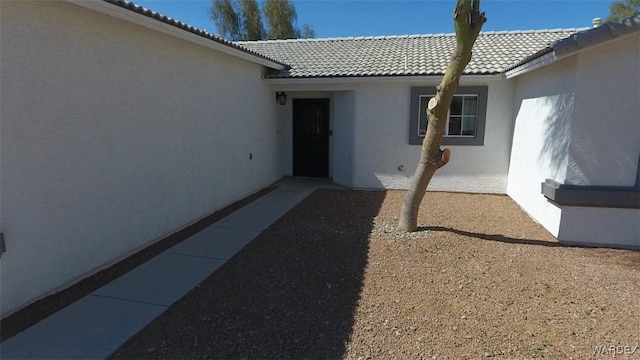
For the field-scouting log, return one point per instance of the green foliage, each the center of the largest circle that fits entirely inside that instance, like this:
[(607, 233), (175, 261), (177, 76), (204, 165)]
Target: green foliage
[(306, 32), (252, 21), (280, 14), (623, 9), (242, 20), (225, 14)]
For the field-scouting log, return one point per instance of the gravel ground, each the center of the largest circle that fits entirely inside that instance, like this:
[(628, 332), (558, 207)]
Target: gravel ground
[(334, 279)]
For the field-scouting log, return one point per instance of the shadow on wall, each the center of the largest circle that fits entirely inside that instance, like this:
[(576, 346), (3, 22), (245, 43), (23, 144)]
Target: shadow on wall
[(291, 293), (557, 132)]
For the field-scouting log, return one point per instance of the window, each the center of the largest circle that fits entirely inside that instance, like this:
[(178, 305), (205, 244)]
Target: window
[(465, 120)]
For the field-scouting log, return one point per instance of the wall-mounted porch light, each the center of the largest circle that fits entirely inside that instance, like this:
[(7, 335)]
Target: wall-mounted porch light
[(281, 97)]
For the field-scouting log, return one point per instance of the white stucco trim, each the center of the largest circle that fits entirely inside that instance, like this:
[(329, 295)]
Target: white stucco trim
[(377, 79), (133, 17), (599, 226), (532, 65)]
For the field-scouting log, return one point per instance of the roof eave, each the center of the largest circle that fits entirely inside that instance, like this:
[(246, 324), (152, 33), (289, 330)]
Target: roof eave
[(577, 43), (532, 65), (374, 79), (157, 25), (597, 36)]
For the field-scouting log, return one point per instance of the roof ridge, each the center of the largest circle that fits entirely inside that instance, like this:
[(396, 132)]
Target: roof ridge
[(412, 36)]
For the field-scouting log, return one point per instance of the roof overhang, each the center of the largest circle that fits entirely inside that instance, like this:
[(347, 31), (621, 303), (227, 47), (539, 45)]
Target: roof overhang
[(534, 64), (554, 56), (156, 25), (376, 79), (579, 42)]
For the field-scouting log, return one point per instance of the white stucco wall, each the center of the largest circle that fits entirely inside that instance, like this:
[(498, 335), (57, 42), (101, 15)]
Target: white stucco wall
[(577, 122), (370, 123), (484, 169), (605, 141), (382, 142), (381, 128), (605, 136), (343, 138), (543, 111), (600, 226), (114, 136)]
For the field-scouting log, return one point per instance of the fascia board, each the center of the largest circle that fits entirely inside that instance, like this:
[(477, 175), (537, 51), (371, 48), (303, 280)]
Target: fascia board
[(532, 65), (376, 79)]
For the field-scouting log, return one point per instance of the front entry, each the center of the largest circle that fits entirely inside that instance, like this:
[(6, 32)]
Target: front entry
[(311, 137)]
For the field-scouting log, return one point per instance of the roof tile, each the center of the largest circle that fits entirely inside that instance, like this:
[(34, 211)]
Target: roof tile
[(427, 54)]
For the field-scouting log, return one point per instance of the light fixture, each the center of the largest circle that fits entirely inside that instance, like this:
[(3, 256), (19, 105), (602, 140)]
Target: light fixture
[(281, 97)]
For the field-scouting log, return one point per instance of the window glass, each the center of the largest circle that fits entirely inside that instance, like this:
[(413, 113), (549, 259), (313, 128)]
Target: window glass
[(461, 119), (454, 125), (456, 105), (468, 126), (422, 115), (470, 105)]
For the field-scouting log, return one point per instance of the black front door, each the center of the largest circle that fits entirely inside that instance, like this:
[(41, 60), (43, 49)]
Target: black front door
[(311, 137)]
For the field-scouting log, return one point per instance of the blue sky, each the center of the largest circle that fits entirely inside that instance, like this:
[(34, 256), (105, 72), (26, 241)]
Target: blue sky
[(343, 18)]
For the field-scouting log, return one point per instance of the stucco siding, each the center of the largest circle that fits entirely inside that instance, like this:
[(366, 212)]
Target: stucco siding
[(381, 135), (600, 226), (343, 137), (577, 123), (605, 141), (370, 142), (605, 136), (483, 169), (382, 142), (543, 111), (114, 136)]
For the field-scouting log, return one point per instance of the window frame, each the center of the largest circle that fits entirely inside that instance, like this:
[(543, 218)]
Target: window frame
[(477, 140)]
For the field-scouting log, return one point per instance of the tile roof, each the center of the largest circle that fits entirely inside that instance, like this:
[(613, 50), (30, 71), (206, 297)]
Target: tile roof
[(493, 53)]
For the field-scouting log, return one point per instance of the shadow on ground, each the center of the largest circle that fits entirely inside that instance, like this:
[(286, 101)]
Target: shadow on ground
[(494, 237), (291, 293)]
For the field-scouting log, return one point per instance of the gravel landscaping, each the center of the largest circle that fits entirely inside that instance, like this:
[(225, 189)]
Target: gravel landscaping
[(334, 279)]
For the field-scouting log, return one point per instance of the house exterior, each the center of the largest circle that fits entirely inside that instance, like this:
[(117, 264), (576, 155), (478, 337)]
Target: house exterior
[(372, 83), (577, 132), (120, 126)]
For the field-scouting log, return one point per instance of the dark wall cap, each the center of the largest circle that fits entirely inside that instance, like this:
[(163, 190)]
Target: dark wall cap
[(592, 196)]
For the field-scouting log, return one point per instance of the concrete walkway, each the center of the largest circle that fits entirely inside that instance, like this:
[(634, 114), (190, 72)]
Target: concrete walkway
[(96, 325)]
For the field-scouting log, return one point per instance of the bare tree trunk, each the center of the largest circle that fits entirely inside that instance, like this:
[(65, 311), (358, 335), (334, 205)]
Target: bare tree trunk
[(468, 22)]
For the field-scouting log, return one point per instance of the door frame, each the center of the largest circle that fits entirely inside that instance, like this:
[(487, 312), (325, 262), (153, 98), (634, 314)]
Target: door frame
[(325, 102)]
